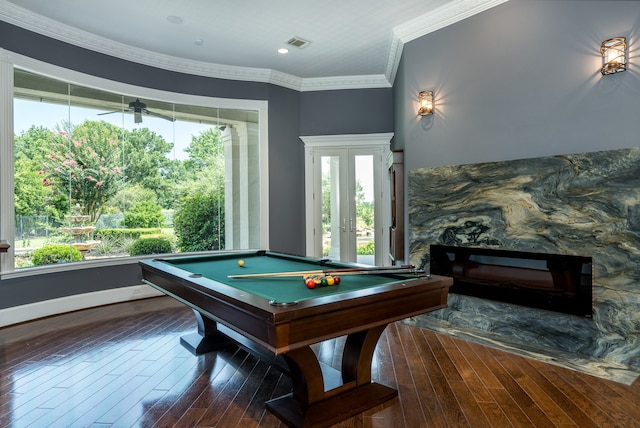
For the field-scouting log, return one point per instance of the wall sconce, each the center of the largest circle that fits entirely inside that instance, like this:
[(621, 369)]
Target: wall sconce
[(425, 98), (614, 58)]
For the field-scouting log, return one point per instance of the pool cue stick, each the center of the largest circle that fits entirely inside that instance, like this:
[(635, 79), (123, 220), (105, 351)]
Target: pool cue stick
[(337, 272)]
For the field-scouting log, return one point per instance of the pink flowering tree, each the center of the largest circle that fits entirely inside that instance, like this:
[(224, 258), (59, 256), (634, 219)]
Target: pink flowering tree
[(85, 163)]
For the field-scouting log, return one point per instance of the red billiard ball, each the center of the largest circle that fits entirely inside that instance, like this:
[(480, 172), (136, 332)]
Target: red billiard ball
[(336, 280), (310, 283)]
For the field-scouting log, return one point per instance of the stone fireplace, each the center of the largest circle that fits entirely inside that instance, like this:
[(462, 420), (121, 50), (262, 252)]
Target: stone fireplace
[(575, 205)]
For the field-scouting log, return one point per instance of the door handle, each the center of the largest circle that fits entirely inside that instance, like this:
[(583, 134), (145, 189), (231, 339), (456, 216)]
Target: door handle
[(344, 224), (351, 224)]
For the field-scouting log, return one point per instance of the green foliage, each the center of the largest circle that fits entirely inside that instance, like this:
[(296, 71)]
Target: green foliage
[(107, 169), (56, 253), (176, 179), (364, 209), (149, 166), (33, 143), (199, 223), (30, 196), (151, 245), (131, 195), (113, 245), (145, 157), (85, 163), (366, 249), (103, 234), (144, 214), (205, 148)]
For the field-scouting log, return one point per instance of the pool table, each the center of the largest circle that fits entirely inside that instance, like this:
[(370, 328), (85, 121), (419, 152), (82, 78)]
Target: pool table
[(280, 317)]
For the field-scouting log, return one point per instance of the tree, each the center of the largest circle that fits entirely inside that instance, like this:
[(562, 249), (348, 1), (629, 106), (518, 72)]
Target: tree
[(145, 157), (30, 196), (177, 180), (364, 209), (32, 143), (85, 163), (205, 148)]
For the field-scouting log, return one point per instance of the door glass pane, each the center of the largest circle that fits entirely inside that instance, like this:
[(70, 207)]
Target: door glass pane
[(330, 200), (364, 198)]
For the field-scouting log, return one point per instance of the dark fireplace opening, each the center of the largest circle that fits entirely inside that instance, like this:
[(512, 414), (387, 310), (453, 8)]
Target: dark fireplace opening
[(555, 282)]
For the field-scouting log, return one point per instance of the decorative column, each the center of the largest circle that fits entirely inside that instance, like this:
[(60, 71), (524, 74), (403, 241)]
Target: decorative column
[(242, 197), (7, 210)]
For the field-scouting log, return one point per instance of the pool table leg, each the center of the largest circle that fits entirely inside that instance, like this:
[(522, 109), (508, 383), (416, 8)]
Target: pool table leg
[(207, 338), (323, 396)]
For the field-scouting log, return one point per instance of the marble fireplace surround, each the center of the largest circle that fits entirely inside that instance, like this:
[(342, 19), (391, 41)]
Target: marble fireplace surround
[(580, 204)]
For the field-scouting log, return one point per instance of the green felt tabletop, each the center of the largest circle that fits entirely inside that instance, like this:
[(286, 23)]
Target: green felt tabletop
[(279, 289)]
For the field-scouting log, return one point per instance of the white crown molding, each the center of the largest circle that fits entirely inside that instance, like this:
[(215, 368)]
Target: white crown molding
[(447, 14), (20, 17), (393, 59), (344, 82)]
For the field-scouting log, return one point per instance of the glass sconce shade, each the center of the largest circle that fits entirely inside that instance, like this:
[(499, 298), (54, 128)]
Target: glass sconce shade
[(425, 98), (614, 57)]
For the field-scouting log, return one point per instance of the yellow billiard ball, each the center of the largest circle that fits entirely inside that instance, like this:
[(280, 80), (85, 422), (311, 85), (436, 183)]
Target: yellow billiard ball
[(240, 263)]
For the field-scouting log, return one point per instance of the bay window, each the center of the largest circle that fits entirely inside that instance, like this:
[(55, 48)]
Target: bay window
[(102, 170)]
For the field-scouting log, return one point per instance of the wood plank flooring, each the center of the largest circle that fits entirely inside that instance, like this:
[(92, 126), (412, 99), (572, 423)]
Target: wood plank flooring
[(122, 366)]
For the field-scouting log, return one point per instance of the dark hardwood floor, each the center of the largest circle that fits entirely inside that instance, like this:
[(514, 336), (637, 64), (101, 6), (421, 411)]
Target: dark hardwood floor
[(122, 366)]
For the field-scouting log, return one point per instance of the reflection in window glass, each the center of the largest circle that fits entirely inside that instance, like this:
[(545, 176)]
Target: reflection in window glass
[(101, 175)]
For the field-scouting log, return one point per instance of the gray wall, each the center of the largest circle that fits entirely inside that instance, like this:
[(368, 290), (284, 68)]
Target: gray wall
[(287, 118), (517, 81), (360, 111)]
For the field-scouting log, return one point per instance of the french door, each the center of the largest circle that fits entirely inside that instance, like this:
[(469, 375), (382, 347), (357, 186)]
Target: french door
[(347, 198)]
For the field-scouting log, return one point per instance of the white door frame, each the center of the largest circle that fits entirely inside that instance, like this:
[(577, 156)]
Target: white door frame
[(377, 143)]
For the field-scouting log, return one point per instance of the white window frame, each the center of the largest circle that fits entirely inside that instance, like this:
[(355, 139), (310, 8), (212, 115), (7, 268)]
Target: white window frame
[(10, 60)]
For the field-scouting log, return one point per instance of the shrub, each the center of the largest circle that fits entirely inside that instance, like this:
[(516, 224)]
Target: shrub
[(131, 195), (56, 253), (199, 223), (112, 245), (125, 233), (151, 245), (367, 249), (144, 214)]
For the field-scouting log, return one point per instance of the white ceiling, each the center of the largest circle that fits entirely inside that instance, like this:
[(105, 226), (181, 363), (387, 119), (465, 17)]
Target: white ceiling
[(354, 43)]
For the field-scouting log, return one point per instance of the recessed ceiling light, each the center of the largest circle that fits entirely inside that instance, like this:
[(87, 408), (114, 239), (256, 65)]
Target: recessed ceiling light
[(174, 19), (198, 42), (283, 50)]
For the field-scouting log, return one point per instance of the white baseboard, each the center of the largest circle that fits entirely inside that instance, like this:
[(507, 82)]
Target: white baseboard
[(18, 314)]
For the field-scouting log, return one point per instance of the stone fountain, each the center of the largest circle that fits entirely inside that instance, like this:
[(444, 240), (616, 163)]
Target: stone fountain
[(79, 231)]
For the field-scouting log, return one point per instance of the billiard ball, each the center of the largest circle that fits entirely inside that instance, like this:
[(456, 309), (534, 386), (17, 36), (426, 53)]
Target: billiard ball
[(240, 263), (310, 283)]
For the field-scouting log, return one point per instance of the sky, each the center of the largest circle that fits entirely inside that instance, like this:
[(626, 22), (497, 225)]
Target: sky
[(28, 113)]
